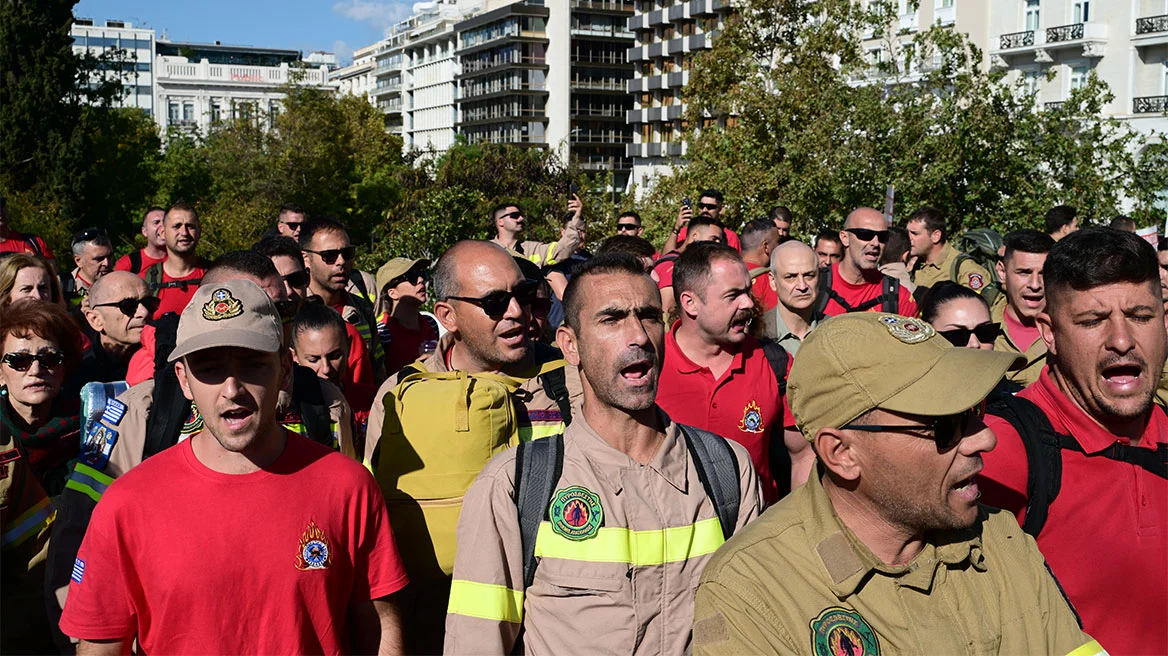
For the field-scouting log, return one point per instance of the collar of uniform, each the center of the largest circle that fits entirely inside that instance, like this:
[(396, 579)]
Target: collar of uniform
[(684, 365), (1004, 343), (671, 460), (947, 252), (1068, 418), (848, 562), (437, 361), (782, 332)]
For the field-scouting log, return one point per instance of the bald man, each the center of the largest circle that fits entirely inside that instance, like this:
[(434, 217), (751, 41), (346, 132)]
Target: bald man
[(855, 284), (795, 279), (119, 306)]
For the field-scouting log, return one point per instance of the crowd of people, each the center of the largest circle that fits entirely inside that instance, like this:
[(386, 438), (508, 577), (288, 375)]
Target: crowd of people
[(883, 438)]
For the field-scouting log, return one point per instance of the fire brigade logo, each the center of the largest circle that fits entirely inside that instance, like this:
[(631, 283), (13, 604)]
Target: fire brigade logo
[(751, 419), (907, 330), (222, 306), (314, 549), (576, 513), (976, 282), (842, 632)]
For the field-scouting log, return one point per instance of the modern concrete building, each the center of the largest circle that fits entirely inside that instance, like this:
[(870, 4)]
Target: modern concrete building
[(136, 69), (387, 79), (356, 79), (429, 82), (600, 74)]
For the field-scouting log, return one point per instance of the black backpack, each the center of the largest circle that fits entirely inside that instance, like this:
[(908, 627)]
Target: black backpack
[(153, 276), (1044, 449), (135, 258), (888, 300)]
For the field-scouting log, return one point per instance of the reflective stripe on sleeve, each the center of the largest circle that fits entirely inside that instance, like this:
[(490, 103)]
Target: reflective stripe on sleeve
[(89, 481), (637, 548), (28, 524), (1092, 648), (540, 431), (486, 601)]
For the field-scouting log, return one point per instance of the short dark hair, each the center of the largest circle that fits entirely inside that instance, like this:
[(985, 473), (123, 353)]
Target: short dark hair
[(631, 214), (753, 233), (502, 206), (712, 193), (182, 206), (249, 263), (898, 244), (638, 246), (291, 208), (317, 224), (317, 316), (691, 272), (274, 245), (30, 317), (1094, 257), (153, 208), (933, 220), (700, 221), (1026, 240), (827, 234), (529, 269), (1122, 222), (602, 264), (1059, 216), (941, 293), (781, 213)]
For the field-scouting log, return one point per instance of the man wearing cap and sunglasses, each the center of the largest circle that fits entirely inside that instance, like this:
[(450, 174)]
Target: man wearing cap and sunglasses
[(886, 549), (297, 533), (855, 283), (94, 256), (120, 305)]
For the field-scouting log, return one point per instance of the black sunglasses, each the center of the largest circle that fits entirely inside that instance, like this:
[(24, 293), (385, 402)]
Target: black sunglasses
[(412, 275), (129, 306), (495, 304), (293, 225), (947, 431), (986, 334), (511, 215), (330, 256), (48, 358), (297, 279), (864, 234), (707, 206), (627, 226)]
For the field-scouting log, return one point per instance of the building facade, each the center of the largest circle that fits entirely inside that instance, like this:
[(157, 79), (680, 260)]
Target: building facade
[(356, 79), (136, 68), (429, 80)]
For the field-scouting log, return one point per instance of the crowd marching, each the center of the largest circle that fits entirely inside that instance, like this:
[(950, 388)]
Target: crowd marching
[(883, 439)]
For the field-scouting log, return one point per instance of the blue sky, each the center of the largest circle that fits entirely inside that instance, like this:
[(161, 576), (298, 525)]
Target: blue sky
[(338, 26)]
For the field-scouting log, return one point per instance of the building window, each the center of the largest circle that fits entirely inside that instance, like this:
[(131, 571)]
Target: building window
[(1030, 81), (945, 4), (1082, 11), (216, 112), (1079, 76), (188, 112), (1032, 15), (172, 112)]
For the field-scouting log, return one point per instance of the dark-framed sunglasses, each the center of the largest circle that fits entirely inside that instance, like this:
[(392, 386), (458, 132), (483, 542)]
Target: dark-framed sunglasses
[(49, 359), (330, 256), (293, 225), (129, 306), (631, 227), (947, 431), (707, 206), (511, 215), (864, 234), (411, 276), (297, 279), (986, 334), (495, 304)]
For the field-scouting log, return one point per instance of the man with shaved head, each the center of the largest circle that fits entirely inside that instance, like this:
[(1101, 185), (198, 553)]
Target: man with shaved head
[(855, 284), (795, 280), (119, 306), (484, 302)]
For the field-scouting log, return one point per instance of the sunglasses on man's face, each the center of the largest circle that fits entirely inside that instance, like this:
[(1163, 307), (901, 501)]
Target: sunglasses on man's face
[(293, 225), (129, 306), (707, 206), (48, 358), (630, 227), (864, 234), (495, 304), (330, 256), (986, 334), (512, 215), (947, 431), (297, 279)]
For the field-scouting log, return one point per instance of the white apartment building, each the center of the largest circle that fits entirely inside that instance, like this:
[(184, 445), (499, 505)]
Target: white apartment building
[(430, 68), (357, 79), (386, 93), (138, 45)]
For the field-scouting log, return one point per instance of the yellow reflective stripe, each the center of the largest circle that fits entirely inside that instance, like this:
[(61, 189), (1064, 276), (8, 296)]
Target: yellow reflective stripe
[(1092, 648), (549, 259), (529, 433), (89, 481), (28, 524), (637, 548), (486, 601), (299, 429)]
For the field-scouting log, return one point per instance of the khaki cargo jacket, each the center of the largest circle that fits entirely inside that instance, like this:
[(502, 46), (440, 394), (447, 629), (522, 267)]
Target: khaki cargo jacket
[(1035, 354), (969, 274), (799, 582), (618, 560)]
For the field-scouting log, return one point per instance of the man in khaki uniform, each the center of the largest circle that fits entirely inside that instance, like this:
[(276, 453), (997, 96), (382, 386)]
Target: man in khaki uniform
[(509, 221), (1017, 310), (887, 550), (936, 257), (630, 524)]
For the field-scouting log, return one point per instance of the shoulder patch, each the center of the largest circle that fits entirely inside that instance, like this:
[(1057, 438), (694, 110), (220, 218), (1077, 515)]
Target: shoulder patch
[(751, 421), (711, 630), (838, 630), (78, 570), (114, 411), (976, 281), (98, 445), (576, 513)]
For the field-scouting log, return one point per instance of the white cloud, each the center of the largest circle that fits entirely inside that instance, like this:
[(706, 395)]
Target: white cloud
[(343, 51), (380, 15)]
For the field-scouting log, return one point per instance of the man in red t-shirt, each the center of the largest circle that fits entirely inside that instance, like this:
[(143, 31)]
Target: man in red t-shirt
[(703, 230), (175, 279), (856, 282), (1105, 534), (759, 238), (155, 250), (286, 538), (715, 375), (1017, 310), (710, 207)]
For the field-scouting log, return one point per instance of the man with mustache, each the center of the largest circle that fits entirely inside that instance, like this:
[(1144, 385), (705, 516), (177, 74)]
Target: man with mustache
[(1081, 453), (716, 376), (1020, 271), (886, 549), (855, 284), (624, 474)]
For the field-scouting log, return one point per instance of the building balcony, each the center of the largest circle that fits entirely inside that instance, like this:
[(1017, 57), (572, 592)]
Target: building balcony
[(602, 32), (178, 70), (469, 70), (481, 93), (655, 149), (1150, 105), (608, 58), (1054, 106), (604, 5), (386, 90), (600, 85), (1088, 37), (602, 137), (655, 114), (606, 112), (1151, 31)]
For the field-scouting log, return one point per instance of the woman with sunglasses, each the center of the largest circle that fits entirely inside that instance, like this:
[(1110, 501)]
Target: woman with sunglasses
[(405, 333), (962, 317), (27, 276)]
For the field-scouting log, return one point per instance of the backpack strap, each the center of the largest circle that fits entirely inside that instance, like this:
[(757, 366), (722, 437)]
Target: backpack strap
[(310, 400), (1153, 461), (778, 358), (169, 408), (538, 466), (32, 242), (890, 295), (759, 271), (823, 293), (717, 469), (554, 383), (135, 261), (955, 266), (1043, 453), (153, 276), (359, 282)]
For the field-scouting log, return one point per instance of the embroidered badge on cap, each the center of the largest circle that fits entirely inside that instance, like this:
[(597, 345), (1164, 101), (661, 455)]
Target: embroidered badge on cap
[(314, 549), (114, 411), (907, 330), (98, 444), (751, 419), (78, 570), (222, 306), (576, 513), (976, 282), (841, 631)]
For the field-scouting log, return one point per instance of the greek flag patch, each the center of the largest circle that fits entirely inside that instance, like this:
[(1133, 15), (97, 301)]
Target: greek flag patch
[(114, 411), (78, 570)]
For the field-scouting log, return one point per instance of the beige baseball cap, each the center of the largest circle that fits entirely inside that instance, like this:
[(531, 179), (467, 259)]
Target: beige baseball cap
[(855, 362), (398, 266), (228, 313)]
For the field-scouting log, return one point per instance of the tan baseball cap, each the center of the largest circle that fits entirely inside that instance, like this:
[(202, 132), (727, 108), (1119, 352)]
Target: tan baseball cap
[(855, 362), (228, 313), (398, 266)]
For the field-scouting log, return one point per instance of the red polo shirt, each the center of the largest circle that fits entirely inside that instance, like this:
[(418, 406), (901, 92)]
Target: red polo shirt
[(760, 288), (743, 405), (872, 287), (124, 264), (1106, 535)]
